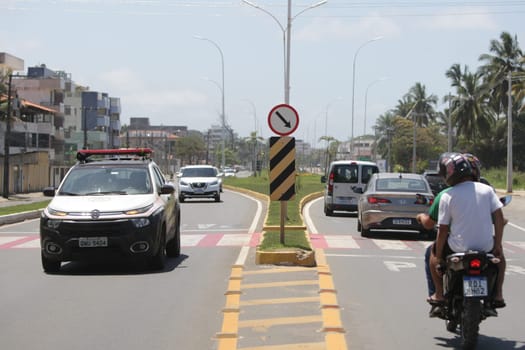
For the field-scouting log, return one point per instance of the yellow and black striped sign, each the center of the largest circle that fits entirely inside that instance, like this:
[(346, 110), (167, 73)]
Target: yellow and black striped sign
[(282, 168)]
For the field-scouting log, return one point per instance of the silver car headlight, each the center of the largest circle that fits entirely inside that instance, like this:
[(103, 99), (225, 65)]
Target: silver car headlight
[(216, 182), (183, 183)]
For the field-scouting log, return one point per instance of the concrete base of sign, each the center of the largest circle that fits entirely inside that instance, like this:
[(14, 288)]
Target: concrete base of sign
[(288, 257)]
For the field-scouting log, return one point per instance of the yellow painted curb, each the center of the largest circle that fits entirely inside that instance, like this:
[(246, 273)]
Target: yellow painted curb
[(296, 257)]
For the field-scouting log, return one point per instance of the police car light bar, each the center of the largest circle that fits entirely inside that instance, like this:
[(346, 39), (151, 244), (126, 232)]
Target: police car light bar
[(82, 155)]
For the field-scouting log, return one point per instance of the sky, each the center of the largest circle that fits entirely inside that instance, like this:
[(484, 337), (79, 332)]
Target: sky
[(151, 54)]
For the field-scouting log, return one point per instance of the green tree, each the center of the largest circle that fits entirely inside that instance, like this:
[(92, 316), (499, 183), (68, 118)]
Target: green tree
[(429, 144), (470, 109), (421, 105), (505, 56), (190, 149)]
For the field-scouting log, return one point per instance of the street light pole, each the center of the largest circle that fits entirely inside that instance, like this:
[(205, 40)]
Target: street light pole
[(353, 90), (287, 38), (223, 115), (366, 100), (509, 135), (6, 139)]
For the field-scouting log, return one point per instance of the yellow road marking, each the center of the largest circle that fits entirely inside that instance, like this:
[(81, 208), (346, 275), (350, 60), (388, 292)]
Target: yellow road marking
[(276, 301), (268, 322), (298, 346), (280, 284), (330, 316)]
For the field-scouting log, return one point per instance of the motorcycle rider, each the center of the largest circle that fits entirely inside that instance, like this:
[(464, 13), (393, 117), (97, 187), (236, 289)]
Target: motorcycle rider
[(429, 220), (469, 206)]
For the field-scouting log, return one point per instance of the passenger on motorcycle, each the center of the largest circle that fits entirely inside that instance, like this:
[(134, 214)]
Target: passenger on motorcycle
[(469, 206), (429, 220)]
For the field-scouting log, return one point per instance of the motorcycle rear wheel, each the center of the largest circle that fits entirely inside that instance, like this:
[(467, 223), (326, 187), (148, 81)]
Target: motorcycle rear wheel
[(470, 320)]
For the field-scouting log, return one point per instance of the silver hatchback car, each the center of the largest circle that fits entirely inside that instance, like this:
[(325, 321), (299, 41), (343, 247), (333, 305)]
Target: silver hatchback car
[(392, 201)]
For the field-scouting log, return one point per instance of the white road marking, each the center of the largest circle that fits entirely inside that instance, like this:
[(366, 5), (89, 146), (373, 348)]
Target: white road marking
[(308, 220), (514, 269), (516, 226), (35, 243), (396, 266), (9, 239), (190, 240), (391, 245), (243, 254), (234, 240), (341, 241)]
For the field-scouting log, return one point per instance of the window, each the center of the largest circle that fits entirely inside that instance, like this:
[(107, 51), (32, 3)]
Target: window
[(367, 171)]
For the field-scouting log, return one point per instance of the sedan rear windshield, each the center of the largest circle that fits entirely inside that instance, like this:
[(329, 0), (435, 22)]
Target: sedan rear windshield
[(401, 185)]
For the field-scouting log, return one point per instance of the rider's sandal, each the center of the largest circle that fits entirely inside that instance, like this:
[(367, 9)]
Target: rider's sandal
[(435, 302), (498, 304)]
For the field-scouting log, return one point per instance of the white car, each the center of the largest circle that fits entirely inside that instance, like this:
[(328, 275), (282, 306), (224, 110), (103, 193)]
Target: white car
[(199, 181), (114, 203), (229, 172)]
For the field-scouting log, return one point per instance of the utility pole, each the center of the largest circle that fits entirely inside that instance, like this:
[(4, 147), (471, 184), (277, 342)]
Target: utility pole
[(6, 139)]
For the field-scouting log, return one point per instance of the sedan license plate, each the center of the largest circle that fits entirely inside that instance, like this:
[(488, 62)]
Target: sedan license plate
[(92, 242), (402, 221), (475, 286)]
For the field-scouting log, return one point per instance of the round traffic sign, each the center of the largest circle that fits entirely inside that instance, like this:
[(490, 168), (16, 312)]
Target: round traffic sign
[(283, 119)]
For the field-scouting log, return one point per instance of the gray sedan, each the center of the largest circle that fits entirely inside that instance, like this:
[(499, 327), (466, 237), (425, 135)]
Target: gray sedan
[(392, 201)]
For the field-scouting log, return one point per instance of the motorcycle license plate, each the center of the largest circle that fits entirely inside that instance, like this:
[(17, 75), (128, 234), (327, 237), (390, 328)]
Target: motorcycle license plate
[(475, 286)]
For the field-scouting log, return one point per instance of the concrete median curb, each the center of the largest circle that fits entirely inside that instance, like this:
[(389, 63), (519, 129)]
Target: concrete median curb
[(18, 217), (285, 256)]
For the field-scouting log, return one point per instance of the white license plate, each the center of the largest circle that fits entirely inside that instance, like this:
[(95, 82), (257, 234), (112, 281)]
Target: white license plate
[(346, 200), (475, 286), (402, 221), (92, 242)]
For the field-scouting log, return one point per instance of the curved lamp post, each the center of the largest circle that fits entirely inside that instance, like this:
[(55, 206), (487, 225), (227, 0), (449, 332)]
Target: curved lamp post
[(366, 99), (223, 116), (287, 36), (353, 90)]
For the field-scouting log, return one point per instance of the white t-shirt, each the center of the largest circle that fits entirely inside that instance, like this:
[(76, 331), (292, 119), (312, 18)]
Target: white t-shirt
[(469, 207)]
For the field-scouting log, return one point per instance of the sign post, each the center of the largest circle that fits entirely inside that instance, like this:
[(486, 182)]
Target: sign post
[(283, 120)]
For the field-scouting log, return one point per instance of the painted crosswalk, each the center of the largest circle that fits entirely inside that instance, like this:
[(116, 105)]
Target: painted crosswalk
[(319, 241)]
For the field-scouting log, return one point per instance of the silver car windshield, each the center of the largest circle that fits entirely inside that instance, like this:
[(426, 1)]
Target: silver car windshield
[(106, 180), (199, 172)]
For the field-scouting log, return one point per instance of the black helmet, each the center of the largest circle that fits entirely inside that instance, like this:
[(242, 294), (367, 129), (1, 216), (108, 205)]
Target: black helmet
[(475, 164), (442, 163), (457, 169)]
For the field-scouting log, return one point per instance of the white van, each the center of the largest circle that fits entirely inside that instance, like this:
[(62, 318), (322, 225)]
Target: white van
[(342, 180)]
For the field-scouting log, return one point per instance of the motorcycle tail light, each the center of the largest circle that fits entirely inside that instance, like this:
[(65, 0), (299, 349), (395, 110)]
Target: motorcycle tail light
[(475, 266)]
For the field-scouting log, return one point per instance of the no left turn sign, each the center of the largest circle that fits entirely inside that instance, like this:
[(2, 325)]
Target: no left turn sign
[(283, 119)]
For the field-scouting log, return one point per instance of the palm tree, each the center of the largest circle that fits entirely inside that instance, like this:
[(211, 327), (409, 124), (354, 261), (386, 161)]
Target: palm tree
[(422, 106), (384, 127), (469, 108), (506, 57)]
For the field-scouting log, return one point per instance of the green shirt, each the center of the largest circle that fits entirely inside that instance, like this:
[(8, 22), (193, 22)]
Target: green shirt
[(433, 212)]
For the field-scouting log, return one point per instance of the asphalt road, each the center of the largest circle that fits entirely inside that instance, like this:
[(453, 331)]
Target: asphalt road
[(381, 285)]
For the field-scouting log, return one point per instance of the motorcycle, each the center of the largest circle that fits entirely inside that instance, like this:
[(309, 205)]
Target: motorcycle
[(469, 281), (469, 284)]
